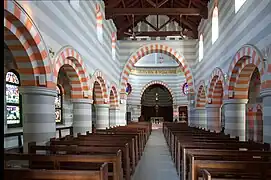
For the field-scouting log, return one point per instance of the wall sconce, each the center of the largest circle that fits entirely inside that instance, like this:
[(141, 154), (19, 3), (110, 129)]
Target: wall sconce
[(85, 94), (41, 79), (121, 101), (105, 100), (209, 100)]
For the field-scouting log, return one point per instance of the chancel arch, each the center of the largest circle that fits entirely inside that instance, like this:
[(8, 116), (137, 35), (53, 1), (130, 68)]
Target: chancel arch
[(155, 48)]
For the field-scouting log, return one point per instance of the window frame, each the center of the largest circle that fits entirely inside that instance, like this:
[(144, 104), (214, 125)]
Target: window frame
[(217, 24), (184, 87), (20, 124), (61, 105), (201, 48), (239, 5)]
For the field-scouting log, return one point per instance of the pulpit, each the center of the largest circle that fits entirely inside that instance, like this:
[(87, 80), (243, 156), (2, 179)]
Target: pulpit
[(157, 120)]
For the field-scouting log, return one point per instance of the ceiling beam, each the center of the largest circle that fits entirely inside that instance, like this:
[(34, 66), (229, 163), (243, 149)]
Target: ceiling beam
[(163, 25), (157, 33), (128, 25), (154, 11), (114, 4), (123, 4), (147, 22), (162, 3), (151, 3)]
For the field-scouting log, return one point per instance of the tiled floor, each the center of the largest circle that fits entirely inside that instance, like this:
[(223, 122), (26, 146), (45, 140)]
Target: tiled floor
[(156, 162)]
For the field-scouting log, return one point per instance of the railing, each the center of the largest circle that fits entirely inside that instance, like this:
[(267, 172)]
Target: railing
[(19, 148)]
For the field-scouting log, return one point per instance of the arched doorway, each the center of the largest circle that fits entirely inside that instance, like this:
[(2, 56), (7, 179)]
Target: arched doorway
[(156, 101)]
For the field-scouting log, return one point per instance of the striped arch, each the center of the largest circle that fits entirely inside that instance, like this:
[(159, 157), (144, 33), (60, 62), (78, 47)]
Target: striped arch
[(155, 48), (245, 61), (71, 62), (113, 97), (98, 87), (157, 82), (27, 46), (216, 87), (201, 95)]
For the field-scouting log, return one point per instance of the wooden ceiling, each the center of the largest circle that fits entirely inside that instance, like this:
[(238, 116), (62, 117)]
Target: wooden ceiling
[(187, 13)]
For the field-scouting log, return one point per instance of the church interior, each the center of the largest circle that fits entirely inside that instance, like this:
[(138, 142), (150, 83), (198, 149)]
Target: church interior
[(137, 89)]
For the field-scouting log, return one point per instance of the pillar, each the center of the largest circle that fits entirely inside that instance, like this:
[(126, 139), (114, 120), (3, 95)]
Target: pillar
[(213, 117), (175, 113), (266, 104), (122, 113), (38, 114), (235, 117), (201, 115), (82, 119), (102, 116), (191, 116), (5, 105), (112, 117)]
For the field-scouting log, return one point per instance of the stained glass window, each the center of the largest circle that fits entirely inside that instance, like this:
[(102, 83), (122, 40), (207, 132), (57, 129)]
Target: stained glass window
[(215, 25), (58, 105), (13, 100), (128, 89), (185, 88)]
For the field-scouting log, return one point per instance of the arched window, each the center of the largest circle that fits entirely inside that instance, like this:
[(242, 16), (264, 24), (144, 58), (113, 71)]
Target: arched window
[(239, 4), (13, 100), (99, 21), (58, 105), (200, 47), (185, 88), (114, 39), (215, 31)]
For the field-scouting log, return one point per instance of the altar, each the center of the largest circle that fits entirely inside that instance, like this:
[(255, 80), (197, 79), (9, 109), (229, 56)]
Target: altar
[(157, 120)]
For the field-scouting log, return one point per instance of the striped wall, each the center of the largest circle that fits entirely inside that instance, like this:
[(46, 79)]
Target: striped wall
[(250, 25), (201, 95), (61, 24)]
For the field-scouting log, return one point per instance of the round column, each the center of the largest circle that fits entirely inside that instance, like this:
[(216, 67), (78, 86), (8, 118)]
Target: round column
[(82, 119), (191, 116), (266, 102), (38, 114), (235, 117), (5, 105), (201, 115), (112, 117), (102, 116), (213, 117), (122, 113)]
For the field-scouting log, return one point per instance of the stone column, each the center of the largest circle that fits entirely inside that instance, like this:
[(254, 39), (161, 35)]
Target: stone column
[(191, 116), (38, 114), (122, 113), (213, 117), (102, 116), (175, 113), (82, 119), (266, 102), (112, 117), (235, 117), (201, 115)]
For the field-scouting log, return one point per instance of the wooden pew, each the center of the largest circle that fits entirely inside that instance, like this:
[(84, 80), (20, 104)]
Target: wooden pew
[(41, 174), (71, 162)]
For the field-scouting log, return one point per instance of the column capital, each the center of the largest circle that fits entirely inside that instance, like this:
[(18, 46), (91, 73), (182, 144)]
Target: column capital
[(212, 106), (82, 101), (265, 92), (37, 90), (102, 105), (235, 101)]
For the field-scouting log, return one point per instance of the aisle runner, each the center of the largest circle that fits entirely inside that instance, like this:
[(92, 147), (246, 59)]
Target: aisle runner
[(156, 163)]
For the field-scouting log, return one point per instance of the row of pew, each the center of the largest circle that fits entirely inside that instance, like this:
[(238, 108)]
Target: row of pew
[(201, 154), (110, 154)]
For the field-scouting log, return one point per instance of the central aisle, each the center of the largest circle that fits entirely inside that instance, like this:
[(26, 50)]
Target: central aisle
[(156, 163)]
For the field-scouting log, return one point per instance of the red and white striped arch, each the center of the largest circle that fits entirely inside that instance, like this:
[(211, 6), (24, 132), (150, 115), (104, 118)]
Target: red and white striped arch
[(113, 96), (27, 46), (157, 82), (98, 88), (155, 48), (201, 94), (216, 87), (241, 69), (71, 62)]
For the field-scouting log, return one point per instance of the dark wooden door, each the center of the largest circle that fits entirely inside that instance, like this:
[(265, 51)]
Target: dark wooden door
[(183, 111)]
